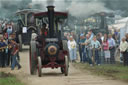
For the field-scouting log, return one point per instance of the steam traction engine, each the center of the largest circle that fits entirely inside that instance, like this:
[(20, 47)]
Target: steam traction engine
[(99, 22), (53, 52), (26, 20)]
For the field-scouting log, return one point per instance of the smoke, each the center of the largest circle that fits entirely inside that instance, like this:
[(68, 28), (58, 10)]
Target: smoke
[(39, 4), (85, 9), (76, 8), (50, 2), (60, 5), (118, 5), (80, 9), (9, 7)]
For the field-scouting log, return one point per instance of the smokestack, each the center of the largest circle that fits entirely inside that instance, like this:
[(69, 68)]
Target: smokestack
[(51, 20)]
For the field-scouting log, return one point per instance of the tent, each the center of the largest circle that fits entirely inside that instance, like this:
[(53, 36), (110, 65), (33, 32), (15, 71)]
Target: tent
[(124, 20), (121, 25)]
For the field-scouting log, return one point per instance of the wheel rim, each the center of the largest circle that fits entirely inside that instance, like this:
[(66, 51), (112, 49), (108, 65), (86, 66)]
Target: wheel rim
[(66, 65), (20, 42), (39, 67), (30, 60), (33, 56)]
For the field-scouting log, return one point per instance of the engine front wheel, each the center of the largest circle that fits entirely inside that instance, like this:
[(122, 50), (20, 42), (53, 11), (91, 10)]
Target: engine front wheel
[(33, 58)]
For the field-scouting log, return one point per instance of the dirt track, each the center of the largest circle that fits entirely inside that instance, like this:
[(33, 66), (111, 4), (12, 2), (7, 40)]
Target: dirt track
[(54, 77)]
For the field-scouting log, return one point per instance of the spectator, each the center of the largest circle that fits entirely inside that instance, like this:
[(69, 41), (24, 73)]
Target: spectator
[(105, 46), (14, 52), (82, 47), (112, 45), (65, 36), (2, 52), (87, 49), (101, 53), (13, 35), (9, 60), (9, 30), (124, 51), (6, 49), (126, 37), (80, 50), (116, 36), (99, 38), (101, 35), (105, 36), (95, 44), (72, 49), (73, 35), (91, 34)]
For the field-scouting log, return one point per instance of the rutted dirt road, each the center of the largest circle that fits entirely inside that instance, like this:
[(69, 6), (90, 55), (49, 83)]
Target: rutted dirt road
[(54, 77)]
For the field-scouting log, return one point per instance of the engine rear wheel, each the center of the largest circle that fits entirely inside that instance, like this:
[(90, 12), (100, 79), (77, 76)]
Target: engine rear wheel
[(66, 65), (39, 67), (62, 70), (33, 58)]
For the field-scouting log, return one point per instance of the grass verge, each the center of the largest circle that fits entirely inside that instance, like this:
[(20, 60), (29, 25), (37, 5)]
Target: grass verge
[(117, 71), (9, 79)]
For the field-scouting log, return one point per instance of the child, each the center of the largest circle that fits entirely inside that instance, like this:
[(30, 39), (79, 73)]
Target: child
[(105, 45)]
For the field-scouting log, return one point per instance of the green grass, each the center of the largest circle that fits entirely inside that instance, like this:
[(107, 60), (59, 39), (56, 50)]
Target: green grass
[(8, 79), (117, 71)]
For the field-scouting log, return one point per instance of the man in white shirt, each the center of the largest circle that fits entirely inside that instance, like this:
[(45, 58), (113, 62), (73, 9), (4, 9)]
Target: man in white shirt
[(112, 46), (124, 51), (72, 49), (87, 49)]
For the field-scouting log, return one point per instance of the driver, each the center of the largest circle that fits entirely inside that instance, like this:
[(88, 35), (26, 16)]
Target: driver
[(41, 41), (45, 29), (41, 36), (43, 33)]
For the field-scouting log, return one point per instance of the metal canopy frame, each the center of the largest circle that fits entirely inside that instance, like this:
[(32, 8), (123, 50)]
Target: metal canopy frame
[(59, 15)]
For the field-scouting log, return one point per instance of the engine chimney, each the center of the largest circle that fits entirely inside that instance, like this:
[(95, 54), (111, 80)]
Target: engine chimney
[(51, 20)]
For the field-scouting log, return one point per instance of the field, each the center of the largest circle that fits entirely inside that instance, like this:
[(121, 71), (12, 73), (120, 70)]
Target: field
[(117, 71), (8, 79)]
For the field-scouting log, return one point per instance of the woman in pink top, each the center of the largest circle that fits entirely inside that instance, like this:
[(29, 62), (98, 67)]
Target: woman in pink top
[(105, 45)]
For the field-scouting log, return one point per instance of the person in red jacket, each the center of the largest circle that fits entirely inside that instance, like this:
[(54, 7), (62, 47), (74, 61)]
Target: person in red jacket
[(14, 52)]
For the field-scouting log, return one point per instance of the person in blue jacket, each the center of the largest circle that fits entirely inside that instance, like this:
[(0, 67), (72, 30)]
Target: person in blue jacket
[(2, 52)]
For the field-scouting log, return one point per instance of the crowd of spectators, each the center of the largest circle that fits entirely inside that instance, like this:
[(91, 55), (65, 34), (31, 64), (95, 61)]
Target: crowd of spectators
[(9, 48), (97, 49)]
